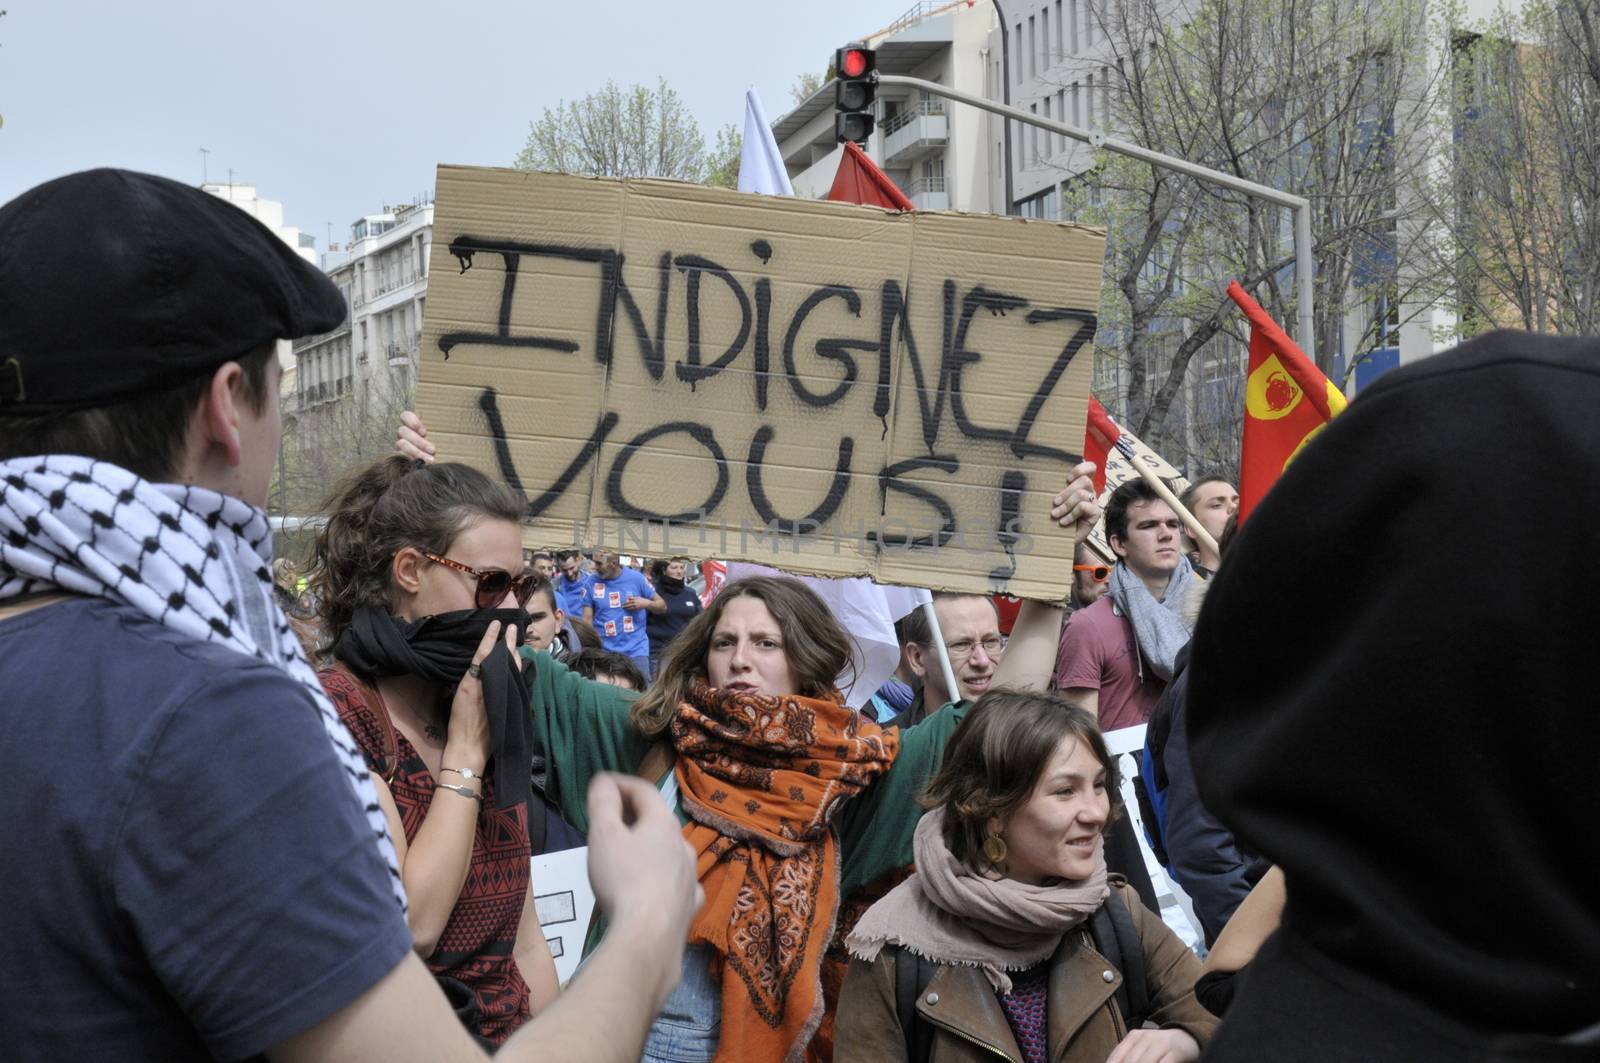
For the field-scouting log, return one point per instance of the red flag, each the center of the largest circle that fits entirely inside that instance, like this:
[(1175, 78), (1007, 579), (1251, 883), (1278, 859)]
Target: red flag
[(1099, 436), (860, 181), (1287, 400)]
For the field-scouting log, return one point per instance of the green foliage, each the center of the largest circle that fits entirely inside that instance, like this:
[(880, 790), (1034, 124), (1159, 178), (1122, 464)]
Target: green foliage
[(806, 85), (722, 165), (617, 132)]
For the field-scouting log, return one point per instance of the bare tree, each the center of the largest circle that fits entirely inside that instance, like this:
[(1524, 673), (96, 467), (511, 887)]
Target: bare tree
[(325, 442), (616, 132), (1311, 96), (1521, 200)]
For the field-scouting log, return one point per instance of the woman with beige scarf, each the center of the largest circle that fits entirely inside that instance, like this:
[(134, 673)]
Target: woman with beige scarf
[(1010, 876)]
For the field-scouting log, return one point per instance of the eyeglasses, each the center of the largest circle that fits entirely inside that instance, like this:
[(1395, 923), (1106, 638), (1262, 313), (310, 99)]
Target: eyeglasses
[(1101, 573), (961, 649), (493, 583)]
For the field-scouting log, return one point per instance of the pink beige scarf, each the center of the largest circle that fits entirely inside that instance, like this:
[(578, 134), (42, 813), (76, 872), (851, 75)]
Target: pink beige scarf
[(951, 914)]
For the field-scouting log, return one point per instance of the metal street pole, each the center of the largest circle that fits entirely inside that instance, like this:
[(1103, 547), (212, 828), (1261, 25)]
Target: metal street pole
[(1304, 265)]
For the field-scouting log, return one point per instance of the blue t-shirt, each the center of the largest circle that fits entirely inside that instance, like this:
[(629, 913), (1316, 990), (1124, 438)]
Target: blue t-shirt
[(189, 874), (573, 595), (621, 630)]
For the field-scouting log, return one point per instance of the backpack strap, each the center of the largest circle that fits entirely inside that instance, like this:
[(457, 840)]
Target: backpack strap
[(912, 973), (1116, 938)]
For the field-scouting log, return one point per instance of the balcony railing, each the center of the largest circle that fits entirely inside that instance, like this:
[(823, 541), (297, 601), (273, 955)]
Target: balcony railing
[(929, 193), (915, 110), (919, 130), (918, 12)]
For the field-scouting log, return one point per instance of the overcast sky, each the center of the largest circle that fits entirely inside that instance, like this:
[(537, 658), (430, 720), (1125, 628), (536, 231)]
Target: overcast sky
[(336, 107)]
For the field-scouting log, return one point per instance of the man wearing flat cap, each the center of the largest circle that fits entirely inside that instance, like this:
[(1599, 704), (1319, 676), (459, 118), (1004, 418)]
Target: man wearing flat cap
[(196, 863)]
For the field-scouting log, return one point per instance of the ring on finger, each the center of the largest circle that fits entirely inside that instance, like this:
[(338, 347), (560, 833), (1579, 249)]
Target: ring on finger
[(476, 669)]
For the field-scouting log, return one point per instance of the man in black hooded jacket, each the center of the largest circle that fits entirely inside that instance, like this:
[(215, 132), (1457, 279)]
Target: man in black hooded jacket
[(1419, 756)]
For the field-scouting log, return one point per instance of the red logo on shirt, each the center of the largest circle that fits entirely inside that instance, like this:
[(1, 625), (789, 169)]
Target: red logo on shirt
[(611, 629)]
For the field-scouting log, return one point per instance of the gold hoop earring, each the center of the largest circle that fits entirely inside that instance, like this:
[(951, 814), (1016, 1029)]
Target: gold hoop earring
[(994, 848)]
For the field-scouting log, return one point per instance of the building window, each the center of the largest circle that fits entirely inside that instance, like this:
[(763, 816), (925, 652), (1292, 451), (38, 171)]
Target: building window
[(1073, 11), (1044, 36), (1089, 95), (1060, 46), (1077, 106), (1049, 137), (1016, 50), (1033, 49), (1033, 134)]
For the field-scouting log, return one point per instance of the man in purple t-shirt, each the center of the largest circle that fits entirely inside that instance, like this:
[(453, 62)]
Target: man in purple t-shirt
[(1102, 664)]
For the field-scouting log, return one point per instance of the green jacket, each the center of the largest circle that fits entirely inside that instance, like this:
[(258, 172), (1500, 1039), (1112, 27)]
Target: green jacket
[(581, 728)]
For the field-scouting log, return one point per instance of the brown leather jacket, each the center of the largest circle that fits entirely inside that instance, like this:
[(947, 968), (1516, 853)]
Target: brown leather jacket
[(1085, 1023)]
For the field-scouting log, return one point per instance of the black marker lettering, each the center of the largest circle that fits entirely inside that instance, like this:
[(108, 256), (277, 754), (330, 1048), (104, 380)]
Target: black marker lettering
[(700, 434), (889, 480), (832, 349), (691, 371), (763, 506), (654, 352), (1012, 484)]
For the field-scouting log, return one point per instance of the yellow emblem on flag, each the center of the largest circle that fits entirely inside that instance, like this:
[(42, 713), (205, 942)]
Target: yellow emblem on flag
[(1271, 392)]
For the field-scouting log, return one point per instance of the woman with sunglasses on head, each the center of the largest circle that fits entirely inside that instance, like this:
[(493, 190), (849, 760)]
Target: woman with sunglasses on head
[(422, 592), (1011, 940)]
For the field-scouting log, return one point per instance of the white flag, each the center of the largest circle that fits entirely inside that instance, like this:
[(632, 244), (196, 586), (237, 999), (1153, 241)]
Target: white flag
[(865, 609), (761, 167)]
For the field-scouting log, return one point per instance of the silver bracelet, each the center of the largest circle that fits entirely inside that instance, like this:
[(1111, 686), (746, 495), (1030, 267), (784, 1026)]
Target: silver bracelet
[(464, 791), (465, 773)]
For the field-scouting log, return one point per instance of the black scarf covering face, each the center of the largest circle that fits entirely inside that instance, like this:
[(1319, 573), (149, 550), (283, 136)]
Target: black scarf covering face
[(669, 585), (440, 648)]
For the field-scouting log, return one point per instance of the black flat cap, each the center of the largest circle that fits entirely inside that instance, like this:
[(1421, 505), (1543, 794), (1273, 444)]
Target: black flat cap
[(114, 283)]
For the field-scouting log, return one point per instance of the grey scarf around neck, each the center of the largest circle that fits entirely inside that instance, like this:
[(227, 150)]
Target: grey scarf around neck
[(1158, 626)]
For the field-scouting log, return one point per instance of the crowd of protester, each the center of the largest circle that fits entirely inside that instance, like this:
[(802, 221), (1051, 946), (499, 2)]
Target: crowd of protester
[(261, 808)]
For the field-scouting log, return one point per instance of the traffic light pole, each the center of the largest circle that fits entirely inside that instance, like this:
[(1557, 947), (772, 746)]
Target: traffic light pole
[(1304, 266)]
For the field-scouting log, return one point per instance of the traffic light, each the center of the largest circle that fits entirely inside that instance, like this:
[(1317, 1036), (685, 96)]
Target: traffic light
[(855, 69)]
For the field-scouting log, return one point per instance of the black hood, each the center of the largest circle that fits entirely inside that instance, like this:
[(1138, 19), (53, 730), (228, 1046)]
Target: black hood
[(1392, 692)]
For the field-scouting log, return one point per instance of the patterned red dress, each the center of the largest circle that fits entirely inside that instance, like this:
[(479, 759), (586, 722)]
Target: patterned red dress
[(477, 943)]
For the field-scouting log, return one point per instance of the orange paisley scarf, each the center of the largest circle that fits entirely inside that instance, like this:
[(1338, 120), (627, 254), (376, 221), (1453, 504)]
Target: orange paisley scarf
[(760, 779)]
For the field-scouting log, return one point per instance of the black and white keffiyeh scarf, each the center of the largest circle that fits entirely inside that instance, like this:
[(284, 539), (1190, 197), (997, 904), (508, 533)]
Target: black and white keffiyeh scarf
[(189, 558)]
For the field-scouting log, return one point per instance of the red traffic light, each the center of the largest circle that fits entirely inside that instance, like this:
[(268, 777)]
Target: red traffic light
[(854, 62)]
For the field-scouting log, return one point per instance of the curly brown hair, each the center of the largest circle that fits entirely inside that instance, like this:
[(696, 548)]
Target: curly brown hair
[(391, 504)]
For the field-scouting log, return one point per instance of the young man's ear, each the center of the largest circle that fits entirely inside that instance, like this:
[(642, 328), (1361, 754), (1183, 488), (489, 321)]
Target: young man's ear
[(219, 412), (1118, 545)]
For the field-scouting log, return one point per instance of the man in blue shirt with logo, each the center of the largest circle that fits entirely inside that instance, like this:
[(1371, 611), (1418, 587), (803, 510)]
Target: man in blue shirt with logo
[(574, 587), (621, 597)]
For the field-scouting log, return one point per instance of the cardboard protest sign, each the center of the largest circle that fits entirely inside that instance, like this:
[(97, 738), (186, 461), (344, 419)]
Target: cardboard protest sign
[(832, 389), (564, 901), (1119, 471)]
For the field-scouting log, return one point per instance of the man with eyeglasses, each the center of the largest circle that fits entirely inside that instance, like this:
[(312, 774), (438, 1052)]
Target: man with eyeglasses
[(971, 628)]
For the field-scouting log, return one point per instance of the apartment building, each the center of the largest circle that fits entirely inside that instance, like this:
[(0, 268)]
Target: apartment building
[(932, 150), (383, 273)]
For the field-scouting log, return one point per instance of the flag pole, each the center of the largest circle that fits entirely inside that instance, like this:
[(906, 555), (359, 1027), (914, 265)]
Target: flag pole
[(1190, 521), (944, 653)]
